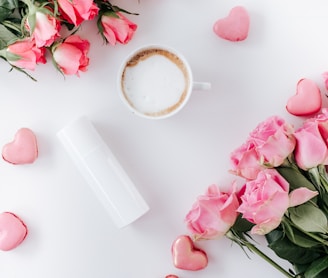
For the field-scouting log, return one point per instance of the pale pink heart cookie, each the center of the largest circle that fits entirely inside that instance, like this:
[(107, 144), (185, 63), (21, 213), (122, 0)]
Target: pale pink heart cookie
[(23, 149), (12, 231), (171, 276), (186, 256), (307, 100), (235, 26)]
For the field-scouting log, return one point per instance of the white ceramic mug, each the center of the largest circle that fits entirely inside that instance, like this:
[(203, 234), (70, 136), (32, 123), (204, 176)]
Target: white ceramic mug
[(156, 82)]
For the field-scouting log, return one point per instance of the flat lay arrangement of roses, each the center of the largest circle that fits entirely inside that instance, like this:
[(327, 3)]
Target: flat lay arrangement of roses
[(283, 196), (29, 29)]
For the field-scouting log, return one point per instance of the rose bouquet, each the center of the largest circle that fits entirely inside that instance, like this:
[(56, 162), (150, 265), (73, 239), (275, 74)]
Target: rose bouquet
[(283, 196), (31, 28)]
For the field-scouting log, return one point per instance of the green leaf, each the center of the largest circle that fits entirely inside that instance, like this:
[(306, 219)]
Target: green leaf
[(317, 267), (304, 241), (300, 239), (295, 178), (309, 218), (274, 235), (7, 7), (287, 250), (323, 202), (242, 225), (6, 37)]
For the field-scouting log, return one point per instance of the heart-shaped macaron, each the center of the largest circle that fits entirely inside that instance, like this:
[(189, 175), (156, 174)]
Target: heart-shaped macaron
[(186, 256), (23, 149), (12, 231), (235, 26), (171, 276), (307, 100)]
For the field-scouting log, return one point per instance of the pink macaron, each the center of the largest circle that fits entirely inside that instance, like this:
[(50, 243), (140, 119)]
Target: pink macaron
[(233, 27), (23, 149), (13, 231)]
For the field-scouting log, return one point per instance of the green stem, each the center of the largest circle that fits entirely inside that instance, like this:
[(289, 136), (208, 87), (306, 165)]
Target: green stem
[(268, 259), (240, 239)]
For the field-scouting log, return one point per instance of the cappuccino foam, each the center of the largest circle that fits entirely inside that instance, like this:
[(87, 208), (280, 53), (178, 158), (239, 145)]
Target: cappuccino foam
[(155, 82)]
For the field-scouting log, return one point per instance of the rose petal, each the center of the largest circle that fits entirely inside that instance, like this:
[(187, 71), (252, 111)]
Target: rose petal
[(300, 196)]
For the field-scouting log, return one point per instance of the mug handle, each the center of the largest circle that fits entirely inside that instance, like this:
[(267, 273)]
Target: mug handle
[(201, 86)]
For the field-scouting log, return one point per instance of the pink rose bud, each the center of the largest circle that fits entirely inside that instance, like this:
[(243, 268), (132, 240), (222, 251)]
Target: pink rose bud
[(45, 30), (70, 56), (77, 11), (24, 54), (117, 28)]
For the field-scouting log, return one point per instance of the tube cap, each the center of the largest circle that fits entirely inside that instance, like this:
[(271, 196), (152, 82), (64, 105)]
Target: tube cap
[(102, 171)]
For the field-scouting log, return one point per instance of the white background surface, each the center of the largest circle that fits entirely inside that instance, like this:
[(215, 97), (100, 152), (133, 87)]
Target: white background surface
[(171, 161)]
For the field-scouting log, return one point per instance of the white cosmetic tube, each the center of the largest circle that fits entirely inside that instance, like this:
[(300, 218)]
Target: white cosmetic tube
[(102, 171)]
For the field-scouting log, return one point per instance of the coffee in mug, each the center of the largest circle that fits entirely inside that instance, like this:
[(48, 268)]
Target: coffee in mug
[(155, 82)]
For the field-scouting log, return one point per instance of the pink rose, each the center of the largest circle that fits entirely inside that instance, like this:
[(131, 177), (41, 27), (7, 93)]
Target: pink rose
[(46, 29), (76, 11), (274, 140), (213, 214), (312, 139), (267, 198), (70, 56), (115, 27), (268, 145), (245, 161), (24, 54)]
